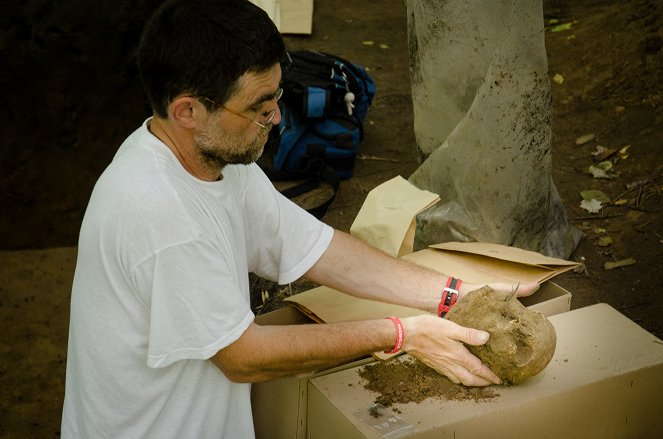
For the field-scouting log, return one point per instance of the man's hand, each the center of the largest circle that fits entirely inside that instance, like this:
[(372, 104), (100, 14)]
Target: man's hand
[(521, 289), (439, 344)]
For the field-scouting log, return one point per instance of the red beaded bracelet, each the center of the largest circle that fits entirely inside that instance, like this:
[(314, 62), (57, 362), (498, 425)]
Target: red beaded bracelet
[(449, 296), (400, 335)]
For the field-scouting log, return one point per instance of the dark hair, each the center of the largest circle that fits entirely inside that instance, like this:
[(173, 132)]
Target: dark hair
[(202, 47)]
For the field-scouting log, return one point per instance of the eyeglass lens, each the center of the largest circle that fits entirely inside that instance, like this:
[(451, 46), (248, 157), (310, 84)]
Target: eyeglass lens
[(269, 116)]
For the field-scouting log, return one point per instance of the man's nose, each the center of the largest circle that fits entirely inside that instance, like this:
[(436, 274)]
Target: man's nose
[(277, 116)]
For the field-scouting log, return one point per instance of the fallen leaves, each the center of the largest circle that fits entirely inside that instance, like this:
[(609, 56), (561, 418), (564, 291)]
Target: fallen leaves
[(602, 153), (603, 169), (641, 196), (604, 241), (582, 268), (591, 206), (623, 152), (593, 200), (617, 264), (561, 27), (585, 139), (594, 194), (371, 43), (604, 158)]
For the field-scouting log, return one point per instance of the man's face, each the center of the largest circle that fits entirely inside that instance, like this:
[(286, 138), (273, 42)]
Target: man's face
[(229, 136)]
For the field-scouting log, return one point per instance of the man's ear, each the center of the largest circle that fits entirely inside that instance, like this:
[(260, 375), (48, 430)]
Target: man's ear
[(182, 111)]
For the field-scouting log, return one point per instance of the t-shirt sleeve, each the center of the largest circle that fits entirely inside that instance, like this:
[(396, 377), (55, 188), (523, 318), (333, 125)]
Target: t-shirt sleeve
[(196, 309), (283, 240)]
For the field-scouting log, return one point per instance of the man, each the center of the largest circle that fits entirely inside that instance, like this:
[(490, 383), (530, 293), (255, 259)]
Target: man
[(162, 342)]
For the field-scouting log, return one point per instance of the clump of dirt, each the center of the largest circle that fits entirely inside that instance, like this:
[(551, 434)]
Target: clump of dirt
[(522, 341), (409, 380)]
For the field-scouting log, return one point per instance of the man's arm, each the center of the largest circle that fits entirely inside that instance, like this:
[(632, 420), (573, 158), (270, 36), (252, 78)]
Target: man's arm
[(268, 352), (356, 268)]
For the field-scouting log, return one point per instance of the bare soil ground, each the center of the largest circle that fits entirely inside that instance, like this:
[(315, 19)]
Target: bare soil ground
[(70, 95)]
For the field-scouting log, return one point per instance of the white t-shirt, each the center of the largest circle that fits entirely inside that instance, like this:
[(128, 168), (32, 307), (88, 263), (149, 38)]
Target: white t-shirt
[(161, 285)]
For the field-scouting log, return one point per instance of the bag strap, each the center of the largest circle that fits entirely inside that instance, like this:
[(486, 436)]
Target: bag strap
[(325, 174)]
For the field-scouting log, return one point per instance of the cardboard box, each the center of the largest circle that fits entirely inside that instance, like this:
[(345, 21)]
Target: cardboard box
[(550, 299), (289, 16), (280, 407), (605, 381)]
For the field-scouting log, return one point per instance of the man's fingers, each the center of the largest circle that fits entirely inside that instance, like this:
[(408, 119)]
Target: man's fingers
[(475, 381), (479, 376), (476, 337), (475, 372), (452, 377), (471, 336), (527, 289), (448, 354), (484, 374)]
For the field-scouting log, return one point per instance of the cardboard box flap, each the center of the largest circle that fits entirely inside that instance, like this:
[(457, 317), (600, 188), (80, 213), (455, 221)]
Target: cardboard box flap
[(477, 269), (324, 304), (479, 262), (505, 252)]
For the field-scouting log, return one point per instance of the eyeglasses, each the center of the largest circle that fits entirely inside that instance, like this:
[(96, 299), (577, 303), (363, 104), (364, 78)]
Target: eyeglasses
[(267, 116)]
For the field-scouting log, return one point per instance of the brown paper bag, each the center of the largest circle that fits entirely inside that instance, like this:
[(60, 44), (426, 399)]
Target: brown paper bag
[(386, 220)]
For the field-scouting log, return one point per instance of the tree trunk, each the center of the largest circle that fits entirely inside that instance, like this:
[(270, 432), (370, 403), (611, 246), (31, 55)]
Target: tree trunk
[(483, 124)]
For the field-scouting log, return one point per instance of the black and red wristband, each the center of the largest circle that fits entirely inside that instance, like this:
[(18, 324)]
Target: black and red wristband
[(449, 296)]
